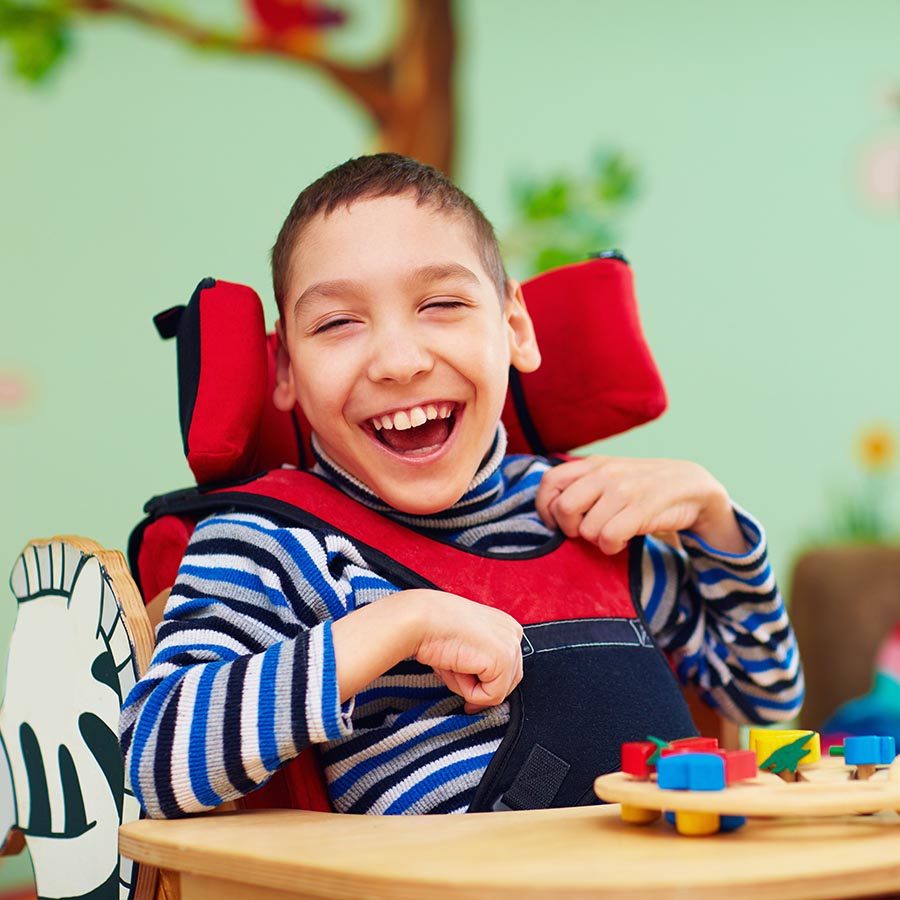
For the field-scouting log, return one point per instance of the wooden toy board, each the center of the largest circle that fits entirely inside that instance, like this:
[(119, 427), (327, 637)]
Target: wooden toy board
[(827, 791)]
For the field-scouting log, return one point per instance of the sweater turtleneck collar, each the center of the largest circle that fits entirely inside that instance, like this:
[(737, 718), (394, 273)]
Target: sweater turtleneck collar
[(471, 509)]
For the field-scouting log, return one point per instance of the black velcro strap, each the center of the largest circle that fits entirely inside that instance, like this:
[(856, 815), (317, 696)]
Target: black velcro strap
[(537, 783), (529, 430), (167, 321)]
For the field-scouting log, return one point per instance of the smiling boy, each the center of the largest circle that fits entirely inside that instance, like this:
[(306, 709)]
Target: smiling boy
[(408, 324), (398, 326)]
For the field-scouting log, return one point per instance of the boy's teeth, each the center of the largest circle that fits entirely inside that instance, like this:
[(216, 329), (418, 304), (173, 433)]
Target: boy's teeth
[(414, 417)]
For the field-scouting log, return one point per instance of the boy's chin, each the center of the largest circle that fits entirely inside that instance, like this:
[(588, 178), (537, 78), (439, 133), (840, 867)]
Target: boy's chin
[(426, 503)]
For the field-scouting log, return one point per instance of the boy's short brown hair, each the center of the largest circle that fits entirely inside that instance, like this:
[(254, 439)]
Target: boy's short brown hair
[(383, 175)]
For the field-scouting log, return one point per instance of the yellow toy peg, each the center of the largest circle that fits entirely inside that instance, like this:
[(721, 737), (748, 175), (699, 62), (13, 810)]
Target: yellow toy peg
[(638, 815), (785, 750), (696, 823)]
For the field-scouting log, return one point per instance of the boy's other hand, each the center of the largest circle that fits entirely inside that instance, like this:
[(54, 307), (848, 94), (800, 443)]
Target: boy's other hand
[(608, 500), (474, 649)]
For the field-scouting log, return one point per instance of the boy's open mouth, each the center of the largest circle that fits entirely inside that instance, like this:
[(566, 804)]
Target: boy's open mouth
[(416, 431)]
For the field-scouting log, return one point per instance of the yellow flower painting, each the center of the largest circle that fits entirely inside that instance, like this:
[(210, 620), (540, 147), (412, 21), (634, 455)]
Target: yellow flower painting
[(876, 448)]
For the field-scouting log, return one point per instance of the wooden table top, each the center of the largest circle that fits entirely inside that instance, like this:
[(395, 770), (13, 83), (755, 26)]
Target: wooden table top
[(583, 852)]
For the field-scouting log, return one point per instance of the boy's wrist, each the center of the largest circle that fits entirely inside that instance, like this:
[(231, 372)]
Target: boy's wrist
[(717, 525), (374, 638), (409, 613)]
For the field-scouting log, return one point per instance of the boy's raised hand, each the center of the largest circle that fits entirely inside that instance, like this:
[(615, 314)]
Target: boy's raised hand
[(608, 500), (474, 649)]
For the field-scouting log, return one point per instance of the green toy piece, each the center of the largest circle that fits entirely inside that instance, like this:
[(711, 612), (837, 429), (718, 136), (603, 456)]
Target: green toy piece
[(787, 758), (660, 746)]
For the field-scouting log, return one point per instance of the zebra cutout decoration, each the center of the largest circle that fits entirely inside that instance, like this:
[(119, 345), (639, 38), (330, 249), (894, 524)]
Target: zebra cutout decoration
[(62, 779)]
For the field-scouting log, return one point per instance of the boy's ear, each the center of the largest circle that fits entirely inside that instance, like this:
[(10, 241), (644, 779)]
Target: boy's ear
[(285, 394), (524, 353)]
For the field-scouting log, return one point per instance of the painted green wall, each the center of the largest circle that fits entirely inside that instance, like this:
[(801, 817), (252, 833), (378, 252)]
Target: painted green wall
[(768, 288)]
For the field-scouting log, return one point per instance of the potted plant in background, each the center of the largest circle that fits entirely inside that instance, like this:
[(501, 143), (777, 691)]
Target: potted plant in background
[(845, 595)]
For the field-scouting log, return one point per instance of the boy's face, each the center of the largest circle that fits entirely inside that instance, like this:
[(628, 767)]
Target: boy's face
[(391, 319)]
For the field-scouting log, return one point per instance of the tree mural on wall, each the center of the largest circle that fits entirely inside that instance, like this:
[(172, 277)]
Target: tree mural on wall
[(408, 94)]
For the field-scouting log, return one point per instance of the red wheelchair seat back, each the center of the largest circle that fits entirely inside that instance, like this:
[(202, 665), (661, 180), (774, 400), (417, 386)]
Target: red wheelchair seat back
[(598, 378)]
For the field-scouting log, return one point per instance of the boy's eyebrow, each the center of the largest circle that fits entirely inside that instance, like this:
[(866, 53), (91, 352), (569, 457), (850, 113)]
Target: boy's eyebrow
[(442, 272), (340, 287)]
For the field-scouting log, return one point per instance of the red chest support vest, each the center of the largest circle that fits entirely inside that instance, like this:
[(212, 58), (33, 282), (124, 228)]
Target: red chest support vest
[(593, 676)]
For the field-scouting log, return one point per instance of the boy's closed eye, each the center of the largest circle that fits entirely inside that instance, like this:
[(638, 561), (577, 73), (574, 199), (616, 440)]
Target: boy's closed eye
[(330, 324), (444, 304)]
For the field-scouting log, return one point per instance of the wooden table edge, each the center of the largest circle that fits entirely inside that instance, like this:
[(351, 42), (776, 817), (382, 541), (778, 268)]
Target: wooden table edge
[(330, 882)]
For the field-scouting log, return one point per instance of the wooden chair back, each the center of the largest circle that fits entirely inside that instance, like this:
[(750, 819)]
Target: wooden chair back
[(81, 640)]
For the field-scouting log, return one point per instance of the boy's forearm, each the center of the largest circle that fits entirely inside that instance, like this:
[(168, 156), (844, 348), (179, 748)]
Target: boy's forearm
[(374, 638), (172, 772), (730, 634)]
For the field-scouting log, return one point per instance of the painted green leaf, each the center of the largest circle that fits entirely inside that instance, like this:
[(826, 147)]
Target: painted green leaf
[(617, 179), (565, 218), (787, 758), (547, 201), (36, 36)]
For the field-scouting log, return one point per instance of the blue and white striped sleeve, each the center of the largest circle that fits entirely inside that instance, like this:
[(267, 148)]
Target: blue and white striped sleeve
[(722, 620), (243, 675)]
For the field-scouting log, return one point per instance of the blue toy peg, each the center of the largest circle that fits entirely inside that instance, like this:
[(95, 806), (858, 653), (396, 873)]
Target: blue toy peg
[(731, 823), (869, 750), (691, 772)]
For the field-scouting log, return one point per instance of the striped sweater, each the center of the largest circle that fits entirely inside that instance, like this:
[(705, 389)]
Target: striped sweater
[(243, 675)]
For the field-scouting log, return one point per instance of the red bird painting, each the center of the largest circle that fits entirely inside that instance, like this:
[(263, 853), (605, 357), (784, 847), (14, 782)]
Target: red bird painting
[(281, 16)]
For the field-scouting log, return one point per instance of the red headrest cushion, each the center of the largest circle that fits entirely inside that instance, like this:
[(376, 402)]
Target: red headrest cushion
[(597, 378)]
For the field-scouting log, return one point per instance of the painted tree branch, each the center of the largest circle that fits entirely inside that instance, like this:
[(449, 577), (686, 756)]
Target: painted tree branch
[(368, 84), (409, 94)]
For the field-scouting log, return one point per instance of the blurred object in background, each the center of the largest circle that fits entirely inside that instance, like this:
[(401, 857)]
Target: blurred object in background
[(15, 391), (25, 893), (878, 711), (845, 600), (845, 604), (880, 166), (859, 514), (562, 219), (881, 174)]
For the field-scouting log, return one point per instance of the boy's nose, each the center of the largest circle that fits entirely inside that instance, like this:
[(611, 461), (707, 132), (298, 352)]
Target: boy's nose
[(399, 357)]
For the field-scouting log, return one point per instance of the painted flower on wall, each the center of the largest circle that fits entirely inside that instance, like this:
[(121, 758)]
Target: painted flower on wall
[(861, 515), (880, 173), (15, 390), (876, 448)]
